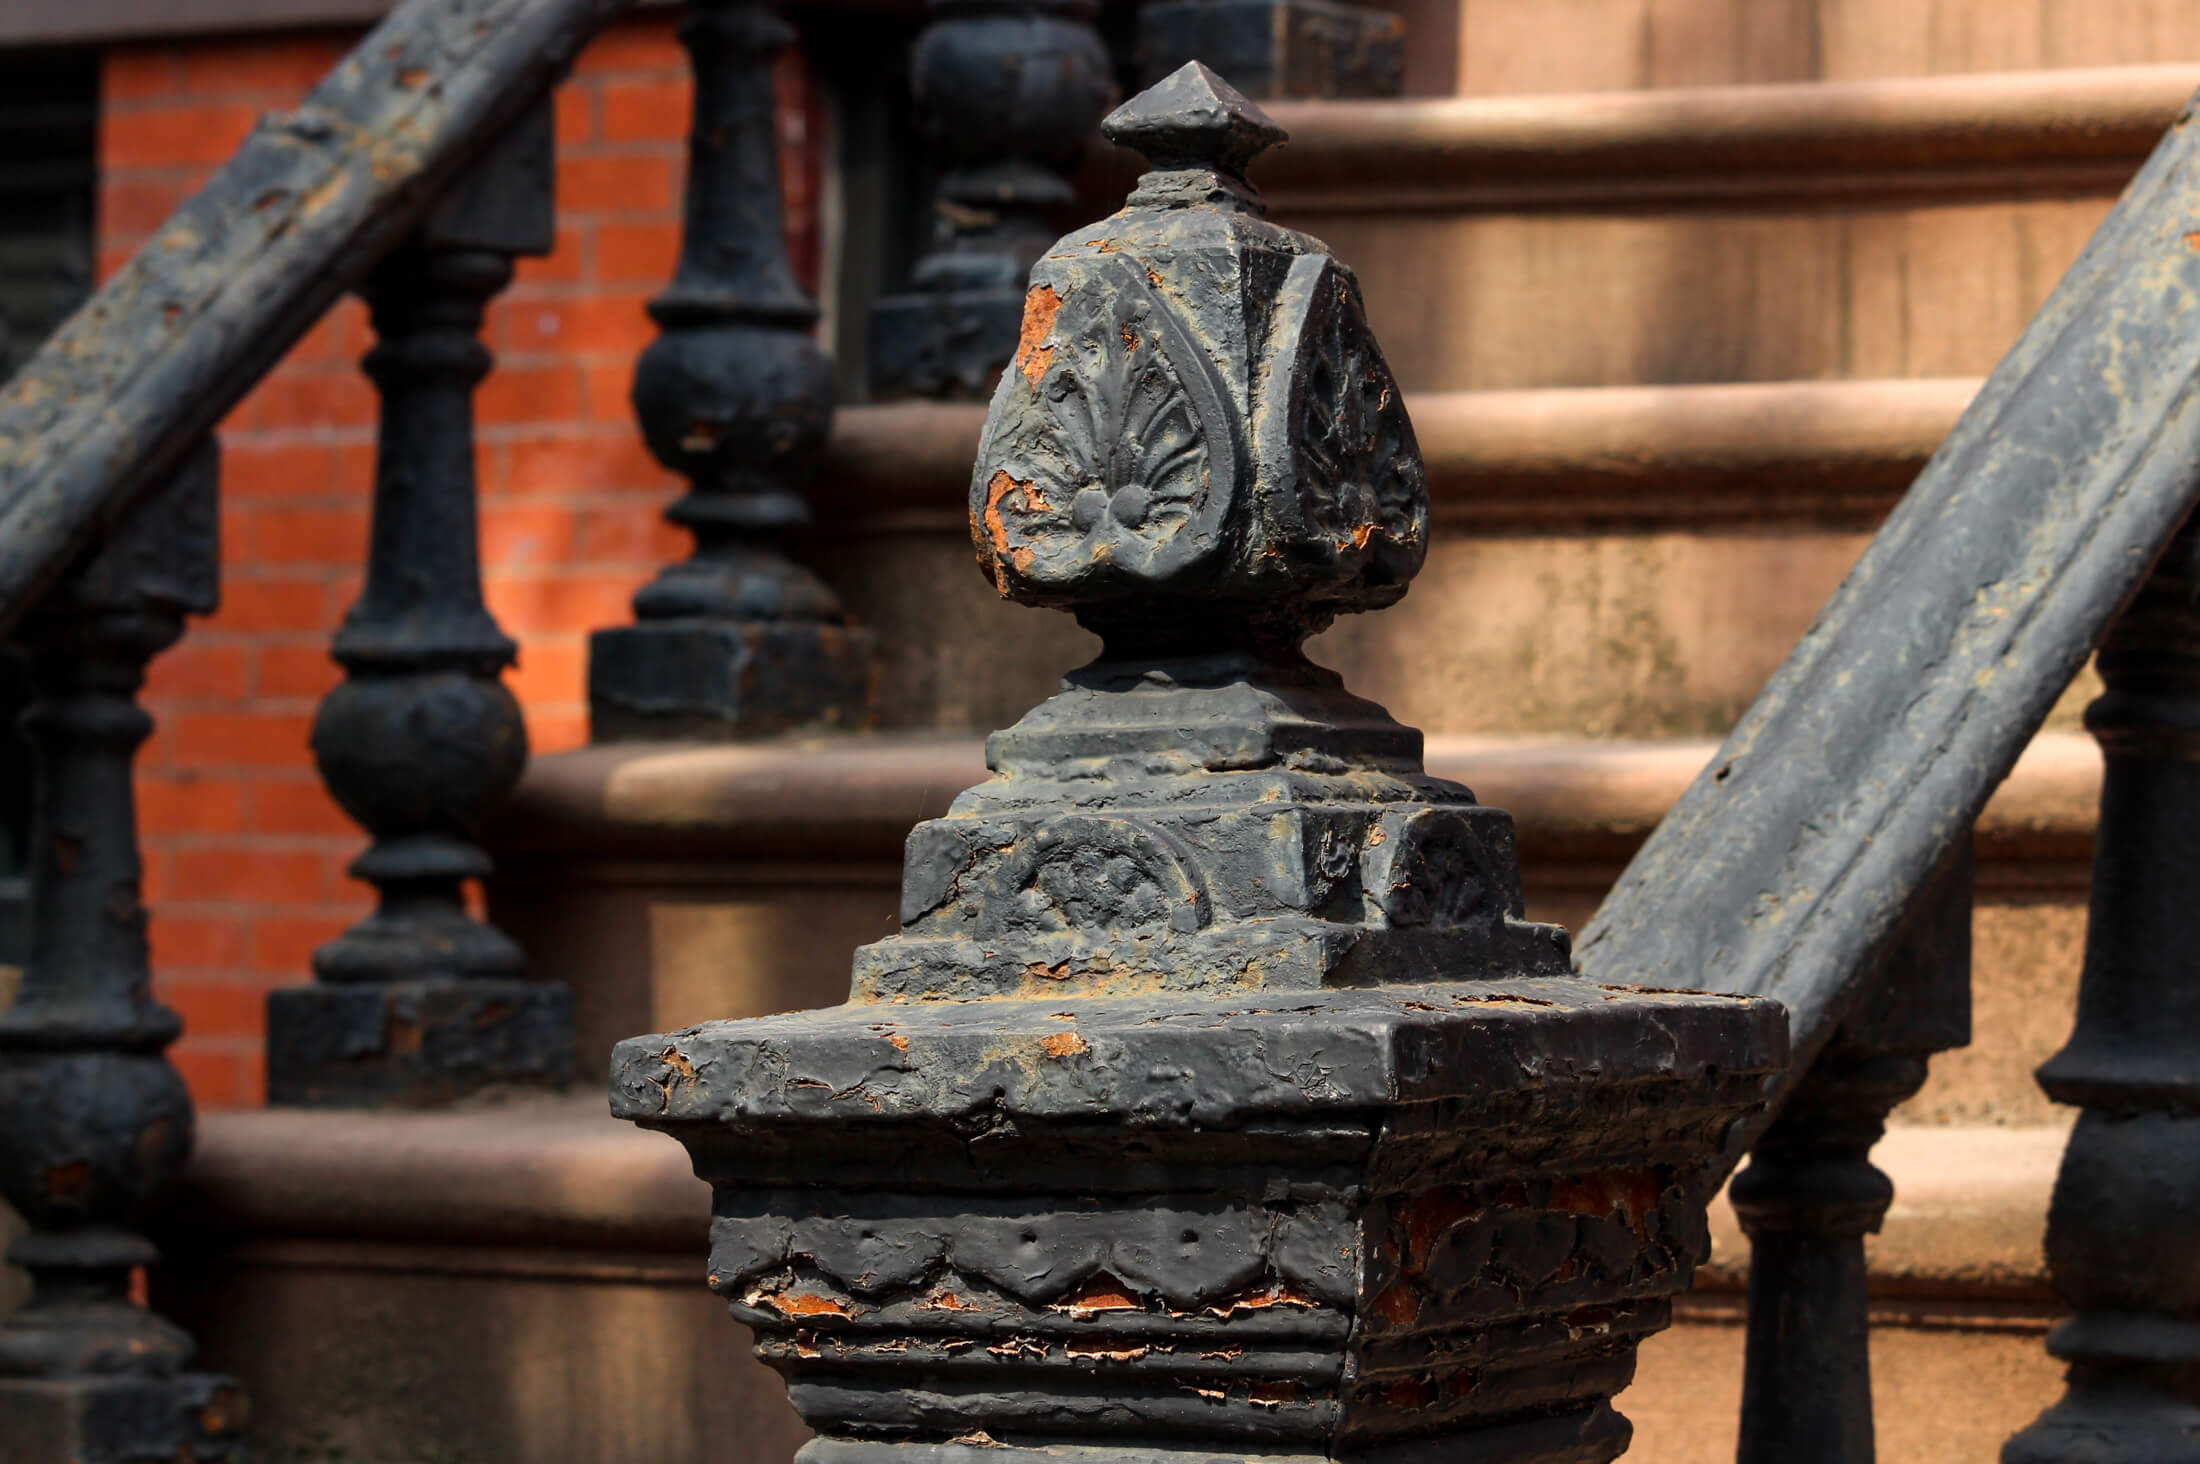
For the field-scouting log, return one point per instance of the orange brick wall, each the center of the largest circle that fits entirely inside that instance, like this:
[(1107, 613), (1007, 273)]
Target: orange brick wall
[(245, 854)]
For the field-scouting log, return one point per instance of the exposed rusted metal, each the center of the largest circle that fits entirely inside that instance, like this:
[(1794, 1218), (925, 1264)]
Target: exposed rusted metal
[(297, 215), (94, 1122), (1788, 865), (1215, 1098), (2122, 1246), (1007, 95), (737, 640), (420, 1002)]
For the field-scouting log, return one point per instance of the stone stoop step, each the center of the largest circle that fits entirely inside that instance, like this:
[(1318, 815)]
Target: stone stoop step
[(524, 1281)]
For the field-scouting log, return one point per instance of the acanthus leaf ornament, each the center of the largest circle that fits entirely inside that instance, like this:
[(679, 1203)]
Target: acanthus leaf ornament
[(1111, 451)]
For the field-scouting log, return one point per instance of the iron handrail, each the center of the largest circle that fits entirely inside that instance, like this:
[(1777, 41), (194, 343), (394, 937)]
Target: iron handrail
[(299, 213), (1787, 867)]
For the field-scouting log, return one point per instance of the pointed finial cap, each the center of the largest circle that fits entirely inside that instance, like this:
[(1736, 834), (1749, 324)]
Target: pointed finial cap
[(1192, 118)]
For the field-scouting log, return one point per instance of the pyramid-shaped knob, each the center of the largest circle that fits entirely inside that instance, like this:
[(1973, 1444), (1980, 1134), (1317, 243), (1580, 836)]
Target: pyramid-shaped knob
[(1192, 118)]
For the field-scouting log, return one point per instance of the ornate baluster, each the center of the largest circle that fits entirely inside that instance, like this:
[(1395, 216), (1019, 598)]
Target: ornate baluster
[(2122, 1243), (738, 640), (94, 1122), (421, 1002), (1007, 95), (1278, 48), (1214, 1097), (1811, 1194)]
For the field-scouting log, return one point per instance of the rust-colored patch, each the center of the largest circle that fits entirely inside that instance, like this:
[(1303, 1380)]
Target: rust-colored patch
[(224, 1411), (1104, 246), (1399, 1304), (803, 1304), (1431, 1213), (899, 1042), (1064, 1044), (1630, 1195), (403, 1036), (1153, 277), (1361, 533), (805, 1345), (2192, 242), (674, 1058), (998, 487), (1040, 308), (1130, 339), (1102, 1352), (1103, 1293), (1410, 1393), (1261, 1301), (69, 1184), (1272, 1394), (946, 1301), (1503, 998)]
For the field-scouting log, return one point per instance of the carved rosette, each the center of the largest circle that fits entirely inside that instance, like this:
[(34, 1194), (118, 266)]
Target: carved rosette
[(1216, 1098)]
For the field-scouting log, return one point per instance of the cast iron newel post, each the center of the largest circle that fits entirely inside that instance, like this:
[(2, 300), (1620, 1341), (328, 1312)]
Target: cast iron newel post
[(1811, 1194), (1007, 92), (2123, 1245), (1214, 1100), (94, 1122), (737, 640), (1278, 48), (420, 1002)]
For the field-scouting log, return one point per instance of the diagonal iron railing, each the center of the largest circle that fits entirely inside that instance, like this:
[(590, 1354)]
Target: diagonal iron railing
[(1787, 867), (297, 215)]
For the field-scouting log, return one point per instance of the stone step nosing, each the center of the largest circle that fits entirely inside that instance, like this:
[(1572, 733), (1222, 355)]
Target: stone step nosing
[(1837, 454), (1998, 134), (854, 797)]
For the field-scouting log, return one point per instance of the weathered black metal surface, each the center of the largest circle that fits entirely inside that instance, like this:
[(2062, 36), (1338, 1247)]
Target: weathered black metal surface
[(306, 206), (1214, 1101), (2122, 1246), (738, 640), (421, 1002), (1007, 95), (1789, 862), (1278, 48), (1810, 1193), (94, 1122)]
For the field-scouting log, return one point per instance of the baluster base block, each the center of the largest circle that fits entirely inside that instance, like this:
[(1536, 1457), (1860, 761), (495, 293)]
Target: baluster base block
[(121, 1419), (410, 1044), (726, 680), (943, 343), (1278, 48)]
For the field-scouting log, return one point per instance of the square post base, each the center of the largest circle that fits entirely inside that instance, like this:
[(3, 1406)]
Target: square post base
[(414, 1043), (724, 680)]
